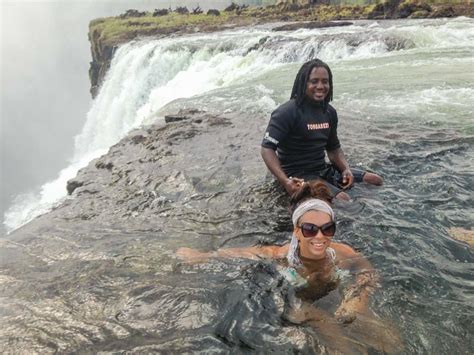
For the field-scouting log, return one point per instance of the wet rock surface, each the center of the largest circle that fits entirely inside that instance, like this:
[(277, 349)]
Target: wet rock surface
[(151, 167), (311, 25), (99, 273)]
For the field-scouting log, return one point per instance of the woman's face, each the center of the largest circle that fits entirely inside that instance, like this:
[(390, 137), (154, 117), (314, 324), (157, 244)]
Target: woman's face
[(315, 247), (318, 86)]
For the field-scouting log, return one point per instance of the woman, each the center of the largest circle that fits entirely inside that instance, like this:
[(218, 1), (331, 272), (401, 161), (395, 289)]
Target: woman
[(311, 262), (315, 265), (302, 129)]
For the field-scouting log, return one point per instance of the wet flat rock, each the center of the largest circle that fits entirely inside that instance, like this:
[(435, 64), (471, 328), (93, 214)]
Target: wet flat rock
[(311, 25), (110, 243), (182, 115)]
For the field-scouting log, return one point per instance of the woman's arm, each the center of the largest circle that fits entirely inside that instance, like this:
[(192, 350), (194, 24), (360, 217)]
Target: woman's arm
[(357, 295), (255, 252)]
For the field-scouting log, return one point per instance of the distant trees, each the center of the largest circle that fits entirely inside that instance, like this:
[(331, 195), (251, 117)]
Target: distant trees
[(182, 10), (302, 2)]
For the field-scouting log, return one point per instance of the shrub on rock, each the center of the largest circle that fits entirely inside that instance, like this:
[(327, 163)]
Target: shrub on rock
[(132, 13), (213, 12), (160, 12), (181, 10), (197, 10)]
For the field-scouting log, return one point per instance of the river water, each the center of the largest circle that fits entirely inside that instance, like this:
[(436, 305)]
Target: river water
[(403, 91)]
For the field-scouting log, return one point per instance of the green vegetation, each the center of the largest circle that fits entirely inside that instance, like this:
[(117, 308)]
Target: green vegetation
[(115, 30)]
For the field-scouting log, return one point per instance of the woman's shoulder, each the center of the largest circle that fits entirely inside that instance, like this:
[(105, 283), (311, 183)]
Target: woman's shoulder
[(343, 251)]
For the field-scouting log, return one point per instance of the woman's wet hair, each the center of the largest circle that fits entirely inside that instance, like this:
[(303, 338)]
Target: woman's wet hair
[(311, 189), (301, 81)]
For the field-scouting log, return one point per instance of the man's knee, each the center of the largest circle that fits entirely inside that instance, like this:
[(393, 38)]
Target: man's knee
[(343, 196), (373, 179)]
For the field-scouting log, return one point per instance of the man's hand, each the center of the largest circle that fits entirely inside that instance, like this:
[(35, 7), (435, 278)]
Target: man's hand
[(347, 179), (272, 161), (337, 158), (293, 184)]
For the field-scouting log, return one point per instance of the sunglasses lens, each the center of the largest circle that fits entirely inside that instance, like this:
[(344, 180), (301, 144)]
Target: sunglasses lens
[(329, 229), (310, 230)]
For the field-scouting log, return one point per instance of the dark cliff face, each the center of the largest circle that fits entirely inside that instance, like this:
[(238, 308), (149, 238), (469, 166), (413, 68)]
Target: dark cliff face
[(102, 54)]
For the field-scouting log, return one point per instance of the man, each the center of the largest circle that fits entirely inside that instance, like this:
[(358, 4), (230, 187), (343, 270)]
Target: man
[(302, 130)]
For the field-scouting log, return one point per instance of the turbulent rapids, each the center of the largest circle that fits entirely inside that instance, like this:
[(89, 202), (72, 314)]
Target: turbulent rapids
[(98, 272)]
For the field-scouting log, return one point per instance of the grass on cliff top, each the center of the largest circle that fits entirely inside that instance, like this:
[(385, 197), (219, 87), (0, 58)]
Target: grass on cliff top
[(113, 29)]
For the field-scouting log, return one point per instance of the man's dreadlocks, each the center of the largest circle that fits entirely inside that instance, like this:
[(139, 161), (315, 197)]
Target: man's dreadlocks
[(301, 81)]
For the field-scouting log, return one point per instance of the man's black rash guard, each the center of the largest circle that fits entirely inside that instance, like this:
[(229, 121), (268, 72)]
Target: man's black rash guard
[(300, 135)]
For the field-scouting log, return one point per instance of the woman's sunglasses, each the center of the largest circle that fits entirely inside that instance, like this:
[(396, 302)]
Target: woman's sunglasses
[(310, 230)]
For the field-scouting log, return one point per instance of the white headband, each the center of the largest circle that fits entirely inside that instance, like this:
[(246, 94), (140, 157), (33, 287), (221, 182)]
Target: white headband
[(309, 205)]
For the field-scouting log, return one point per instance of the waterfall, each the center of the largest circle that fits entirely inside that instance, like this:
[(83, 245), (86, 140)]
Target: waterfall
[(146, 75)]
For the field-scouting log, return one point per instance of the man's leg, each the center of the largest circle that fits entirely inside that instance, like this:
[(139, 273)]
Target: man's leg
[(365, 176), (341, 195), (332, 177), (336, 191), (373, 179)]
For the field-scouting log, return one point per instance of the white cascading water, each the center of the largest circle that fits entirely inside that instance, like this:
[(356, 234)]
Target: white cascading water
[(147, 75)]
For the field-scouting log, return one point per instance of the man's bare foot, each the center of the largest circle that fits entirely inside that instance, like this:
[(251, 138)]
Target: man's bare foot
[(343, 196), (373, 179)]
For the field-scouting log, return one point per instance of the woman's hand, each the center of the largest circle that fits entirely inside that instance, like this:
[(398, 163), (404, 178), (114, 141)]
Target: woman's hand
[(354, 304), (192, 256), (344, 314)]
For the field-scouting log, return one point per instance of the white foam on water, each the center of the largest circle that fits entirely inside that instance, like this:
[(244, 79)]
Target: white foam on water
[(436, 103), (438, 34)]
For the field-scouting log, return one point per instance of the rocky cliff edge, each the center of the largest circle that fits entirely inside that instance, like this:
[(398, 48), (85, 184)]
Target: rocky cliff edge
[(106, 34)]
